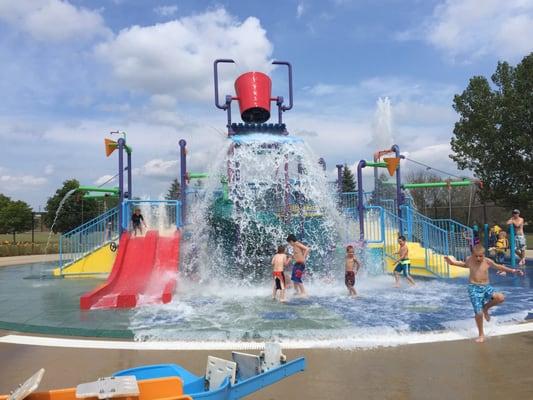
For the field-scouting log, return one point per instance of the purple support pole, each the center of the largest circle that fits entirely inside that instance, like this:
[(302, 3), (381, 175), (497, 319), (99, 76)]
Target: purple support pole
[(183, 178), (360, 206), (121, 142), (130, 195), (287, 208), (339, 177), (399, 195), (300, 200)]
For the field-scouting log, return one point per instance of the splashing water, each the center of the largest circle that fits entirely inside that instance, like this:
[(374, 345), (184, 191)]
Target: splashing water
[(59, 207), (275, 188), (382, 127)]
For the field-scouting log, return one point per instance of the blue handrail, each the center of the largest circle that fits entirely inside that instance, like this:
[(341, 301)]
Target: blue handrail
[(88, 237)]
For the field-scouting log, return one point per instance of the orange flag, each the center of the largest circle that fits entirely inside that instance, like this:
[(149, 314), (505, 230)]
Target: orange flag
[(392, 164), (110, 146)]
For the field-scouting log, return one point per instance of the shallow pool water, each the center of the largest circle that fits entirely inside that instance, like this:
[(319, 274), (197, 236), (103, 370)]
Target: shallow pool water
[(230, 311)]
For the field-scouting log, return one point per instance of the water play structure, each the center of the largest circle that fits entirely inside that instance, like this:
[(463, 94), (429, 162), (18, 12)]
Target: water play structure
[(202, 270)]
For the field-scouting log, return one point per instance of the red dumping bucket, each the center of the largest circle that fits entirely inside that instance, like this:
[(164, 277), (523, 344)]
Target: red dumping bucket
[(253, 91)]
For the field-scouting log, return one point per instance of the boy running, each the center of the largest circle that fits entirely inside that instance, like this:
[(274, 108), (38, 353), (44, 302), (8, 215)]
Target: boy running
[(403, 263), (300, 253), (482, 294), (351, 266), (279, 262)]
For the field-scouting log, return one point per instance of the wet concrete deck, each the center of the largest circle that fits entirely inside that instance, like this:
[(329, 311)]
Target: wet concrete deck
[(497, 369)]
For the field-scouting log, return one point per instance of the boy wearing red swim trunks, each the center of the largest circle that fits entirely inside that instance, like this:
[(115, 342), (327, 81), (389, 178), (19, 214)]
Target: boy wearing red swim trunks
[(352, 266), (279, 262)]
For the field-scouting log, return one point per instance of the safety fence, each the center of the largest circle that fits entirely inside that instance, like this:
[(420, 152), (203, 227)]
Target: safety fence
[(460, 237), (88, 237), (157, 214)]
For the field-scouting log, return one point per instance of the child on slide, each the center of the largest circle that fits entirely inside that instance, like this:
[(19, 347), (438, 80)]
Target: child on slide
[(482, 294)]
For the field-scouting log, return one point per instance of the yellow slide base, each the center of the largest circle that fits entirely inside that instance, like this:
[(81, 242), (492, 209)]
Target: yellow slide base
[(418, 263), (98, 262)]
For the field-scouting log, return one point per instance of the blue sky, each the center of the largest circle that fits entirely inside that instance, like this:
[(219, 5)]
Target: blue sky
[(73, 71)]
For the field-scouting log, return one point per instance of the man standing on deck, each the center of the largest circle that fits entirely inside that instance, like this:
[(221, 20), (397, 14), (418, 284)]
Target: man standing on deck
[(519, 238)]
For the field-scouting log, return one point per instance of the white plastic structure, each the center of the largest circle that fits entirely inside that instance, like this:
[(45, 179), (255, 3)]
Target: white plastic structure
[(28, 387), (107, 388), (248, 365), (272, 356), (219, 369)]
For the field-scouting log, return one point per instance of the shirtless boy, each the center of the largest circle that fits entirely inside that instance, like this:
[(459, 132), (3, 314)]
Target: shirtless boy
[(300, 253), (279, 262), (519, 238), (403, 263), (351, 266), (482, 294)]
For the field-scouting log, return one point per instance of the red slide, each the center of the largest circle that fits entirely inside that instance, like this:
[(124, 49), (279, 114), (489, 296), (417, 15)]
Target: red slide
[(144, 272)]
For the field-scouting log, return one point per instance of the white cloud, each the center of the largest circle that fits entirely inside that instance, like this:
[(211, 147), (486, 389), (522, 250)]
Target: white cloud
[(49, 169), (176, 58), (166, 11), (158, 168), (300, 9), (53, 20), (19, 181), (469, 29)]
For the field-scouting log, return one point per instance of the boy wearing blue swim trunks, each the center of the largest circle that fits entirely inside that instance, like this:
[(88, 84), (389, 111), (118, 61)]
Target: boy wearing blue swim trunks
[(403, 264), (300, 253), (482, 294)]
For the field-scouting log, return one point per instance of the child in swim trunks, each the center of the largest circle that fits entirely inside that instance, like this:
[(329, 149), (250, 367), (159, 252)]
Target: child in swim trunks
[(300, 253), (482, 294), (403, 264), (351, 268), (279, 262)]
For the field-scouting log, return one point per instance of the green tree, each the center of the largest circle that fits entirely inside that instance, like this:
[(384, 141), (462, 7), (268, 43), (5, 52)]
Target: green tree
[(173, 191), (494, 135), (15, 217), (4, 201), (348, 180), (74, 211)]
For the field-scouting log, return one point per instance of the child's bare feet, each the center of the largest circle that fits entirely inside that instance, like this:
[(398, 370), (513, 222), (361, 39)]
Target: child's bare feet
[(480, 339)]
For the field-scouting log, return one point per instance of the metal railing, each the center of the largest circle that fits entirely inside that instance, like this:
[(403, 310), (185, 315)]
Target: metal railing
[(460, 237), (433, 239), (157, 214), (88, 237), (374, 224)]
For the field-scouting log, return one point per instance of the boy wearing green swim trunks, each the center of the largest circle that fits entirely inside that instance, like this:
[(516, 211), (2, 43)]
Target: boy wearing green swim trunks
[(482, 294), (403, 264)]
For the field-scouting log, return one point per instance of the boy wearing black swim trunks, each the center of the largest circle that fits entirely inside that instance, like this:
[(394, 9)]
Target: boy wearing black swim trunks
[(352, 266)]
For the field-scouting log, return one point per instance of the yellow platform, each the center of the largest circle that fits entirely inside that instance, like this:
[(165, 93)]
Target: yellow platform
[(436, 266), (99, 261)]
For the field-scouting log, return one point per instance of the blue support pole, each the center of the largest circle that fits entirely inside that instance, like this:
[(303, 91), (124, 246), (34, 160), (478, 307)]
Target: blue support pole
[(183, 177), (486, 239), (512, 245)]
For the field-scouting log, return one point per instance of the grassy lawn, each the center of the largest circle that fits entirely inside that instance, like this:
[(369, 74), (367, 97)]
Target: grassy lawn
[(40, 237)]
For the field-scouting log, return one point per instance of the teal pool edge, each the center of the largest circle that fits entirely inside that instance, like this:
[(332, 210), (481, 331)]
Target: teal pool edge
[(66, 331)]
